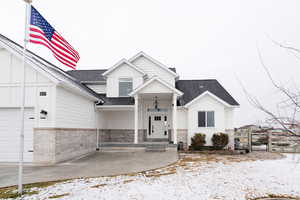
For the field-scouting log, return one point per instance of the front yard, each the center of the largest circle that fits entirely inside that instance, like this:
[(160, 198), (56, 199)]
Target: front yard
[(194, 176)]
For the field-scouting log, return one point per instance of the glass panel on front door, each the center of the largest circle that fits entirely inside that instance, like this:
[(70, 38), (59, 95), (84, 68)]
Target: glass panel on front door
[(158, 126)]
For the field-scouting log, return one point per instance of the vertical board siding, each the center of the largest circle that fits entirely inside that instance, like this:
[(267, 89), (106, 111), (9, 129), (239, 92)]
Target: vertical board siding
[(11, 78)]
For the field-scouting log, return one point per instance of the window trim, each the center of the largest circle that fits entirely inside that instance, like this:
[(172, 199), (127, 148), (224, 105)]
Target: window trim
[(206, 111), (125, 81)]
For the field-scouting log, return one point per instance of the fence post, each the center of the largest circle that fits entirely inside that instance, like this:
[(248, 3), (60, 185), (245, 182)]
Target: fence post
[(250, 140), (269, 141)]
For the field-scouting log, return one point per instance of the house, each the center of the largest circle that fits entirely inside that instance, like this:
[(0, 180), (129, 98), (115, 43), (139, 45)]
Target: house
[(136, 101)]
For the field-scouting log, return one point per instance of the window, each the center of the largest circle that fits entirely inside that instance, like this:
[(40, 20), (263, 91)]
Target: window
[(125, 86), (210, 119), (206, 119), (201, 119), (157, 118), (42, 94)]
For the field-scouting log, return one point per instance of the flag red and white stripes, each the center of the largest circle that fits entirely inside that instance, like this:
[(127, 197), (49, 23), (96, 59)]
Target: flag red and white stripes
[(41, 32)]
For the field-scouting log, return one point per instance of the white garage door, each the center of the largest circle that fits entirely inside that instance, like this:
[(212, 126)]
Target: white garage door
[(9, 135)]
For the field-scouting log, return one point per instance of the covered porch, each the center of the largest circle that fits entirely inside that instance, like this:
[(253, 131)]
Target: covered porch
[(150, 117)]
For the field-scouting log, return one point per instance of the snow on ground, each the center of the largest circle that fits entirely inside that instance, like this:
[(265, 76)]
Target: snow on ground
[(198, 177)]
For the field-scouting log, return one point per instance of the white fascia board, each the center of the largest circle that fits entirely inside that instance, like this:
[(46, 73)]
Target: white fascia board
[(114, 107), (213, 96), (94, 82), (29, 61), (155, 78), (154, 61), (123, 61), (181, 108)]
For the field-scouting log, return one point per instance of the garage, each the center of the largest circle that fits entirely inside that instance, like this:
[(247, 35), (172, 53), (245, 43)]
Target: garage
[(10, 131)]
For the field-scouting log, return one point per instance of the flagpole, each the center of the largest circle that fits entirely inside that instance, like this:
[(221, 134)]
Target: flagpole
[(21, 152)]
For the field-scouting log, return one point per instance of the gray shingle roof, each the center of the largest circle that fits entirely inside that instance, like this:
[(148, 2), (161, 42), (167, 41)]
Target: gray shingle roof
[(92, 75), (190, 88), (172, 69), (117, 100), (194, 88), (88, 75)]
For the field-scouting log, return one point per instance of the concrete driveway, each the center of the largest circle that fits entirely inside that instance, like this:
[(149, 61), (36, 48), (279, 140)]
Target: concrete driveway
[(97, 164)]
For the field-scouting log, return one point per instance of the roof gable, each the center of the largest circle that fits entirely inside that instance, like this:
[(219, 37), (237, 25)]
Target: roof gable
[(207, 93), (160, 81), (55, 74), (119, 64), (156, 62), (194, 88)]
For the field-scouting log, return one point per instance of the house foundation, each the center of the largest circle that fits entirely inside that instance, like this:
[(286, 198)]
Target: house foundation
[(53, 145)]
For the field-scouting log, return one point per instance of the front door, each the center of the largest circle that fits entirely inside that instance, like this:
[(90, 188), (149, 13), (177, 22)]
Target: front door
[(158, 125)]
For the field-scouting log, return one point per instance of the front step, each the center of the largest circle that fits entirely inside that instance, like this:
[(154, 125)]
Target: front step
[(157, 140), (155, 148)]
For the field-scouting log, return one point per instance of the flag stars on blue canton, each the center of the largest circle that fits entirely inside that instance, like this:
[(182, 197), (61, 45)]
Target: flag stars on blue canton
[(38, 20)]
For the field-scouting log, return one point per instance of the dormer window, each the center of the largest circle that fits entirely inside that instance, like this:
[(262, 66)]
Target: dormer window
[(125, 87)]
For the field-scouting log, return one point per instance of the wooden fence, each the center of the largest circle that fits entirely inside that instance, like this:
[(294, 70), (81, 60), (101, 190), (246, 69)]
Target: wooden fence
[(268, 140), (284, 142)]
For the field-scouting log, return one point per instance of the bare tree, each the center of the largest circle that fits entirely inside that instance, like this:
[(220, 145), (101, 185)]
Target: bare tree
[(287, 114)]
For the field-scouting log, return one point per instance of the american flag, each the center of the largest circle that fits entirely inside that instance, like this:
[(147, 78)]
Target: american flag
[(41, 32)]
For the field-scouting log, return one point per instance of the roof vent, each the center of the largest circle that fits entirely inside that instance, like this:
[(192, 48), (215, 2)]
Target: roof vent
[(201, 86)]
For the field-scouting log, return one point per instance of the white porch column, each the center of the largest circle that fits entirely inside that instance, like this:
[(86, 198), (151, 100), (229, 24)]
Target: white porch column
[(136, 118), (175, 118)]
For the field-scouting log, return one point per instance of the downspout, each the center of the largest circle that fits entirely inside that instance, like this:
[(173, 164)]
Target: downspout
[(96, 125)]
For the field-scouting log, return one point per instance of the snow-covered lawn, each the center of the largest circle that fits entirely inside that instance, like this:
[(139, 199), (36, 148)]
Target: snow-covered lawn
[(199, 177)]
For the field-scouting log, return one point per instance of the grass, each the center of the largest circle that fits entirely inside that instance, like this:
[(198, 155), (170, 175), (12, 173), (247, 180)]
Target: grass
[(128, 181), (9, 193), (98, 186), (58, 196), (12, 192), (275, 196)]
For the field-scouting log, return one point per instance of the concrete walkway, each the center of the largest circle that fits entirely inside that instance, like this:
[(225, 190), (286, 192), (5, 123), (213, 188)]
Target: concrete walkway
[(97, 164)]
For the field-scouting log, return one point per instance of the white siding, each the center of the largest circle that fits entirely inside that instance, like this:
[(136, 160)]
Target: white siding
[(182, 122), (10, 81), (97, 88), (206, 103), (101, 119), (10, 88), (152, 69), (229, 116), (124, 71), (45, 103), (118, 119), (73, 111), (124, 119), (155, 87)]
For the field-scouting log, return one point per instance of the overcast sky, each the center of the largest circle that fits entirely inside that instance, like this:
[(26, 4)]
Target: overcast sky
[(202, 39)]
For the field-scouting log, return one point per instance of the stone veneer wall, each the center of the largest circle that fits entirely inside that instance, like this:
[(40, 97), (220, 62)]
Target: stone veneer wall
[(53, 145), (182, 137), (127, 136), (121, 135)]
